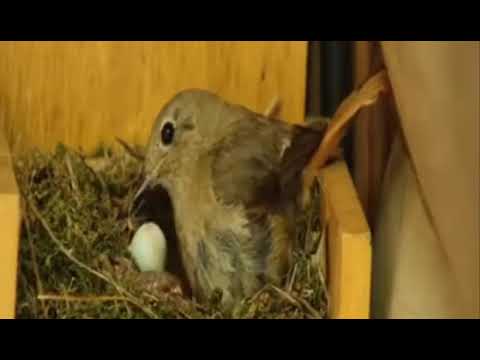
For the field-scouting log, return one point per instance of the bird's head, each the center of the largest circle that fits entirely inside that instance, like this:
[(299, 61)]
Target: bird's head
[(185, 128)]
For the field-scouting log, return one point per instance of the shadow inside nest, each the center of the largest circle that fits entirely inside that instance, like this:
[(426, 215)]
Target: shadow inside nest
[(154, 205)]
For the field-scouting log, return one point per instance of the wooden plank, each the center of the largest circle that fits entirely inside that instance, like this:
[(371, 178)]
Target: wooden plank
[(86, 93), (349, 246), (10, 233)]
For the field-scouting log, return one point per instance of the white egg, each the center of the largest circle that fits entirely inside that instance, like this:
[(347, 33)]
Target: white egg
[(149, 248)]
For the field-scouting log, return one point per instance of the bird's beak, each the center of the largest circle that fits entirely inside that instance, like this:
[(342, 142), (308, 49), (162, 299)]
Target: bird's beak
[(151, 174), (145, 184)]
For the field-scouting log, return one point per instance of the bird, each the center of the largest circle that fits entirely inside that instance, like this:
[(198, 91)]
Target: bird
[(237, 182)]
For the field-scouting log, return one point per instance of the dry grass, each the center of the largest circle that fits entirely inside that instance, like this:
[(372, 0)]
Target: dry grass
[(74, 262)]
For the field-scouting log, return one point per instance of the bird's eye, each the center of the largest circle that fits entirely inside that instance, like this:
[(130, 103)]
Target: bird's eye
[(168, 131)]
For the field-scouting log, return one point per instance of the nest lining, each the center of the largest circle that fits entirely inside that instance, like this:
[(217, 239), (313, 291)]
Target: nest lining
[(76, 227)]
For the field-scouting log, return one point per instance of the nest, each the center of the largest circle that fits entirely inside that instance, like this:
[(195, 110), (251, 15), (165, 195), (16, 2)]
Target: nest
[(74, 263)]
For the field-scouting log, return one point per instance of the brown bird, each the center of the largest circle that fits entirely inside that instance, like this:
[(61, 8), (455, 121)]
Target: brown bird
[(236, 180)]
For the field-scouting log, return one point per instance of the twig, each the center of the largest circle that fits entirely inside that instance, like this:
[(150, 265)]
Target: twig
[(35, 264), (324, 285), (257, 294), (130, 150), (273, 109), (319, 263), (249, 302), (98, 177), (80, 298), (73, 179), (178, 308), (308, 274), (308, 232), (298, 302), (72, 258), (292, 278), (27, 289)]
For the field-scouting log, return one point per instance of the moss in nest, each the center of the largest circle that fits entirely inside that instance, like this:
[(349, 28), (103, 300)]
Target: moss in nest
[(76, 227)]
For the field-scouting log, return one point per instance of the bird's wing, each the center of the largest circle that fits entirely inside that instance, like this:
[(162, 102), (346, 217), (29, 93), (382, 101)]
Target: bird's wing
[(246, 157), (258, 166), (260, 160)]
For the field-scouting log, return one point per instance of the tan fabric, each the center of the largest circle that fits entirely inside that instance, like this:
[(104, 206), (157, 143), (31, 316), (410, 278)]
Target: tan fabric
[(427, 255), (412, 278)]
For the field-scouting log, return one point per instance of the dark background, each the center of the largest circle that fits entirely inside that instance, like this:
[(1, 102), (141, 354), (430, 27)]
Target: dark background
[(329, 81)]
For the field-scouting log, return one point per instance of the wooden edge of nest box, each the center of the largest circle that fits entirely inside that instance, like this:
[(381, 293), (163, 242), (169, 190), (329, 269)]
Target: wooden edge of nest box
[(9, 233), (349, 246)]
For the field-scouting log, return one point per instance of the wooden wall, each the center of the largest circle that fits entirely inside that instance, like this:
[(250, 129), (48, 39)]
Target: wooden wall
[(85, 93)]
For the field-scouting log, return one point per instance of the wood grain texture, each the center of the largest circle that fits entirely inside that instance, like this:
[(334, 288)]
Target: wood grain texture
[(349, 246), (87, 93), (9, 233)]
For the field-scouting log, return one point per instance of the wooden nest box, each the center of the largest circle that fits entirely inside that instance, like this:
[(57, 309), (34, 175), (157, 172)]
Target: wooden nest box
[(348, 245), (109, 89)]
